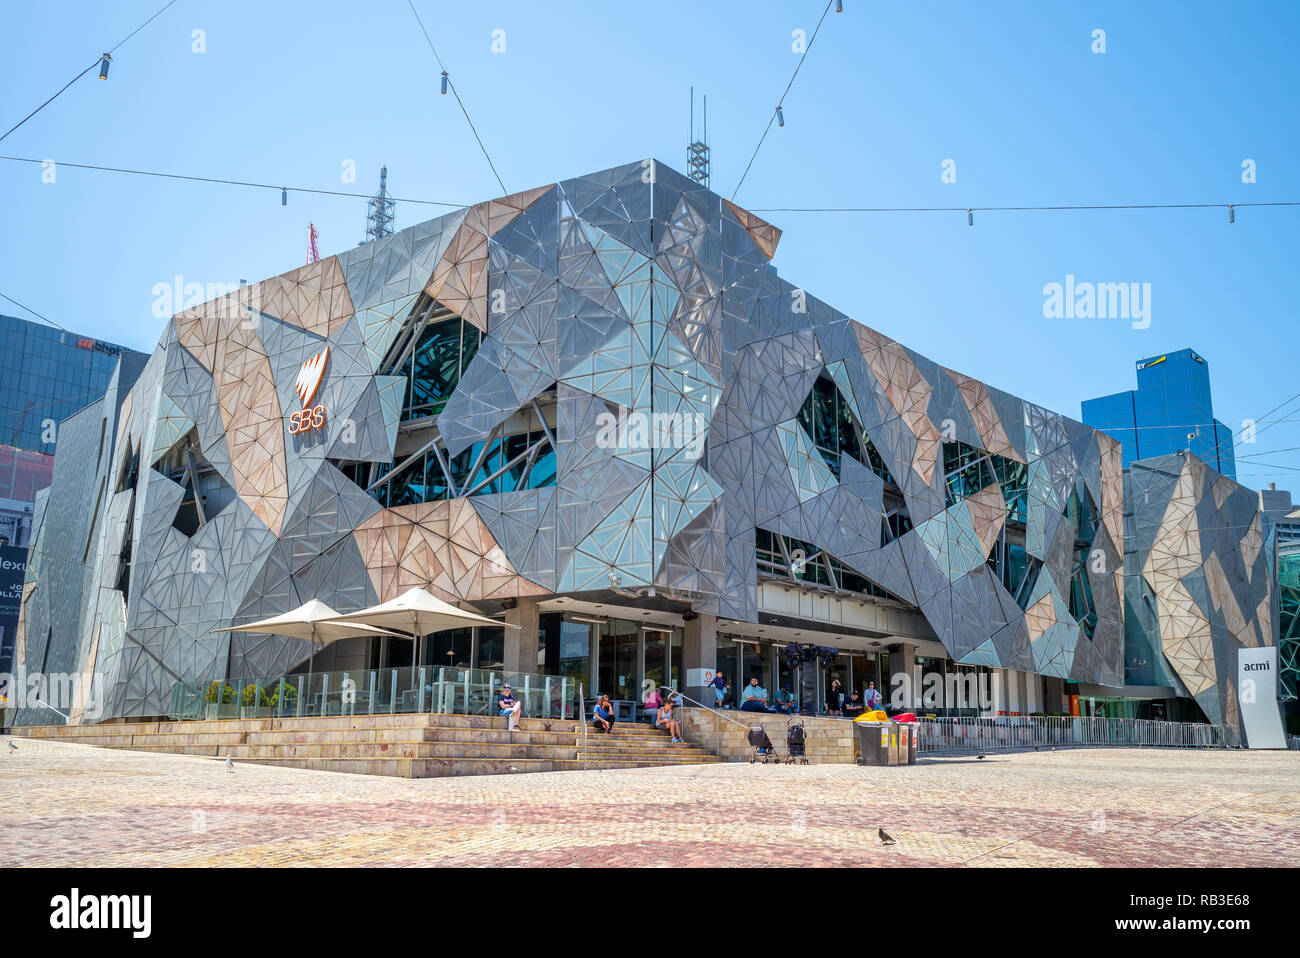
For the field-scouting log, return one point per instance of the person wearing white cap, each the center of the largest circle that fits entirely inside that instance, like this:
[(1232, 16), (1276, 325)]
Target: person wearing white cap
[(507, 704)]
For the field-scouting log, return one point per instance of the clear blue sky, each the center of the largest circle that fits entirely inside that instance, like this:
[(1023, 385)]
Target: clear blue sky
[(1011, 91)]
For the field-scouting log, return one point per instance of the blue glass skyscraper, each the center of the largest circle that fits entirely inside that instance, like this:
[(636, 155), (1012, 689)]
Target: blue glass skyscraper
[(1172, 402), (46, 375)]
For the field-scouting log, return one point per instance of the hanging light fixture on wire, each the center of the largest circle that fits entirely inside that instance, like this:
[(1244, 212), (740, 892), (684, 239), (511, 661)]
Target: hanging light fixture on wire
[(103, 66)]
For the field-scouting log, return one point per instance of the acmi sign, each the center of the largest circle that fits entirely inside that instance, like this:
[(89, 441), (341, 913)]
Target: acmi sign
[(308, 381)]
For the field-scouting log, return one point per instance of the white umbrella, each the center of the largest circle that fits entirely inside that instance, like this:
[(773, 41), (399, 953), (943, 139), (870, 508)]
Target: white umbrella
[(314, 621), (419, 613)]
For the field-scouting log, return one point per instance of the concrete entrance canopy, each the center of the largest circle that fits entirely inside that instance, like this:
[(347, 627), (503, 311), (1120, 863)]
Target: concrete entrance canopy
[(611, 611), (831, 611), (793, 635)]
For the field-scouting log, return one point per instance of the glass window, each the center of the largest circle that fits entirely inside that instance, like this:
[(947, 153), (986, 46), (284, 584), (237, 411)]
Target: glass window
[(451, 648), (753, 664), (728, 664), (575, 654), (656, 659), (618, 660), (491, 648)]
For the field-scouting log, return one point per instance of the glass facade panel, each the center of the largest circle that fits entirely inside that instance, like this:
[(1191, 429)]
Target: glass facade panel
[(436, 364), (618, 660), (46, 375), (656, 659), (491, 648), (451, 648), (575, 653)]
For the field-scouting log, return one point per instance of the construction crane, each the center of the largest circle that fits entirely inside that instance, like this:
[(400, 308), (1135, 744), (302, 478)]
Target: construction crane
[(313, 251)]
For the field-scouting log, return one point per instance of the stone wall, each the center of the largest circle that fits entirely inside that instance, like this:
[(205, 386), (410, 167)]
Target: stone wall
[(826, 740)]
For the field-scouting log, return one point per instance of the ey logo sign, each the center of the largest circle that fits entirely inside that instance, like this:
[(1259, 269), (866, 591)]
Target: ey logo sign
[(308, 381)]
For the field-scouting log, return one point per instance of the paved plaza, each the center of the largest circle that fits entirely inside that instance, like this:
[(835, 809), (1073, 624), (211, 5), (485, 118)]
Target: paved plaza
[(79, 805)]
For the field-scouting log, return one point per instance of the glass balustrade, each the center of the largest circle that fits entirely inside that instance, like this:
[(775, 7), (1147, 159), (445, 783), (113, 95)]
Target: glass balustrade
[(427, 688)]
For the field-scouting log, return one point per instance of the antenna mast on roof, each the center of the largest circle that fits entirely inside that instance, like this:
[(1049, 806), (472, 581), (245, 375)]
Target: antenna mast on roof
[(313, 251), (697, 154), (379, 211)]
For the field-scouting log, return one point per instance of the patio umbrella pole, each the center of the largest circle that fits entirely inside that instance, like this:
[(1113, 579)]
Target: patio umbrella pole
[(310, 656)]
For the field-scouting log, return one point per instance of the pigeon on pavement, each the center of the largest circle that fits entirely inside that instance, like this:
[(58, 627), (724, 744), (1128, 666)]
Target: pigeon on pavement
[(230, 764), (13, 746), (884, 837)]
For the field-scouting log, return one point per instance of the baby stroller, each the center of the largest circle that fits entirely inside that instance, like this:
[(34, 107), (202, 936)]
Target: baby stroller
[(763, 747), (794, 746)]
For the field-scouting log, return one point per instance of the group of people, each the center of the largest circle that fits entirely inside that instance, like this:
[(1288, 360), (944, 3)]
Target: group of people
[(851, 704), (754, 698), (664, 707)]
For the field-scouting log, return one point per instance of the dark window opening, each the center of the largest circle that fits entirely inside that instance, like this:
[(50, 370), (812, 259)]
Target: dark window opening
[(786, 557)]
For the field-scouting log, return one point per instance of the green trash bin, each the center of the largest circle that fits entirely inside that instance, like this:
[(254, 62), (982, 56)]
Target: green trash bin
[(877, 743)]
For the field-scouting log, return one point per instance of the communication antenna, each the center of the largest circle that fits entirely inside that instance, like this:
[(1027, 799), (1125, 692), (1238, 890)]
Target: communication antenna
[(379, 211), (697, 154)]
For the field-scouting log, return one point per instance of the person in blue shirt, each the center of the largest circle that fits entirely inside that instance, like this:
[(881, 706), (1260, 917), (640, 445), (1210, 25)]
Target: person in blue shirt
[(507, 704), (785, 702), (602, 716), (754, 698), (720, 689)]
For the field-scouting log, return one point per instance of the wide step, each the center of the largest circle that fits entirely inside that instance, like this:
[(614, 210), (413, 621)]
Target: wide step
[(413, 745)]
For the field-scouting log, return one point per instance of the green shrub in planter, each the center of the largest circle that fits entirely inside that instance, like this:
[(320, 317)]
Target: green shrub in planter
[(252, 695), (282, 691), (219, 692)]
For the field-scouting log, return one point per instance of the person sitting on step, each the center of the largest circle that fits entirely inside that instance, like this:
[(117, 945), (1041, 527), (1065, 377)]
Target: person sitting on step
[(602, 716), (665, 720), (652, 702), (507, 704), (754, 698)]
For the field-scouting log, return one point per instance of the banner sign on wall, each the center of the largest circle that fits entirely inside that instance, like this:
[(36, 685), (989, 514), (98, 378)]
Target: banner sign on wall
[(13, 569), (1261, 719)]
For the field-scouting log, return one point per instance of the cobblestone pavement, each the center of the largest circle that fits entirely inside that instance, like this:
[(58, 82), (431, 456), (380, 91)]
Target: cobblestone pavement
[(78, 805)]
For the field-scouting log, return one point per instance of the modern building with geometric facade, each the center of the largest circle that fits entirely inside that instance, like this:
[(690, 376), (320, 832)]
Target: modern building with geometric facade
[(1201, 580), (595, 410)]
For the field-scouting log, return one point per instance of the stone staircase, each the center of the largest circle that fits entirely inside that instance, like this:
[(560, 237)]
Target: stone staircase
[(407, 746)]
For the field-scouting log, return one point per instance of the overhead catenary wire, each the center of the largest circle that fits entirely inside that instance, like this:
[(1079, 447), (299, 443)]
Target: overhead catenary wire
[(449, 82), (93, 64), (1077, 207), (781, 102), (277, 187), (37, 315), (461, 205)]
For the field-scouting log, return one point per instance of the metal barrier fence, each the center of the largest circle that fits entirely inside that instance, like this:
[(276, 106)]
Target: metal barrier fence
[(443, 689), (1053, 731)]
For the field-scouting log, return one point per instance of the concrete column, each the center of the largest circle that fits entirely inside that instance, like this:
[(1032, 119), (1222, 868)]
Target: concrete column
[(999, 680), (521, 643), (1013, 690), (902, 659), (1033, 697), (700, 651)]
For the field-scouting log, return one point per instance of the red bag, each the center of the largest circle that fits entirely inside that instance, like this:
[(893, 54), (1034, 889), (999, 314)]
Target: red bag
[(904, 717)]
